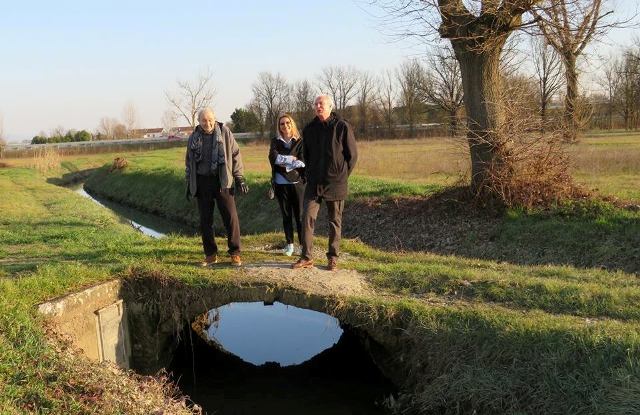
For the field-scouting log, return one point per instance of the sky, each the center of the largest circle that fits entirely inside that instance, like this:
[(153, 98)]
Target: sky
[(70, 63)]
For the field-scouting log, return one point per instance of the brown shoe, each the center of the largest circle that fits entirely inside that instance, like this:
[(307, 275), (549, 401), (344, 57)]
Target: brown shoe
[(302, 263), (209, 260), (332, 263), (235, 260)]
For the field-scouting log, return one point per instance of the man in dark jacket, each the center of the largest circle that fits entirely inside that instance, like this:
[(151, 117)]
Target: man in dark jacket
[(330, 155)]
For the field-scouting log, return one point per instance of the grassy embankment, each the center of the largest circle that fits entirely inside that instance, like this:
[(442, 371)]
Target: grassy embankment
[(489, 336), (589, 234)]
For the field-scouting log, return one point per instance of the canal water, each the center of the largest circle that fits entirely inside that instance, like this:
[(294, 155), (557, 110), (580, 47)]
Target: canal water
[(148, 224)]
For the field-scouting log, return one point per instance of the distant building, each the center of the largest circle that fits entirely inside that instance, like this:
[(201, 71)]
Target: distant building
[(182, 131), (147, 132)]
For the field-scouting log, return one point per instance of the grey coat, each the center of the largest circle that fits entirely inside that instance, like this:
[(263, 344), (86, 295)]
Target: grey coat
[(231, 168)]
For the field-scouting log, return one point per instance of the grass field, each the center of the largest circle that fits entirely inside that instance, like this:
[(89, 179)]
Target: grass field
[(489, 335), (607, 163)]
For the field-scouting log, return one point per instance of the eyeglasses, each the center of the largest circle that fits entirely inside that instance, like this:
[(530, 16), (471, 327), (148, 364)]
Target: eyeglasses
[(282, 124)]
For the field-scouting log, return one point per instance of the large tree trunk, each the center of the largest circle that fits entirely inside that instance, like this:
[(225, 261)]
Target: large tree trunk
[(481, 83), (570, 133)]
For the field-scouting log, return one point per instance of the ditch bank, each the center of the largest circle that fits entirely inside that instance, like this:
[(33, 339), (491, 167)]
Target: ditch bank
[(443, 222)]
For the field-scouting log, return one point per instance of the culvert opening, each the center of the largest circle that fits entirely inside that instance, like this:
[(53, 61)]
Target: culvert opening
[(273, 358)]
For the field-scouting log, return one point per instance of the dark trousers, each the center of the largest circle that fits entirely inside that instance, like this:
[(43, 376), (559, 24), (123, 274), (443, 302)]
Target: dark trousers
[(290, 198), (310, 214), (209, 192)]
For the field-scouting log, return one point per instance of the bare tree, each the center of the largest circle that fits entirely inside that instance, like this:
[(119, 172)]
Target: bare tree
[(303, 95), (2, 137), (365, 97), (569, 26), (341, 83), (478, 31), (609, 81), (387, 95), (441, 84), (548, 73), (58, 131), (627, 88), (256, 107), (3, 140), (168, 121), (130, 117), (192, 97), (410, 79), (272, 93), (107, 128)]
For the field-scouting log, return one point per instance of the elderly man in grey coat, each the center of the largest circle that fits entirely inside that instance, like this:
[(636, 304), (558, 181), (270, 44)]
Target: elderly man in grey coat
[(213, 165)]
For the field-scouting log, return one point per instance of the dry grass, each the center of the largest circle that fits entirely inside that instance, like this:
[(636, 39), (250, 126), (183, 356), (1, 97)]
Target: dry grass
[(46, 159), (609, 163), (424, 161), (604, 157)]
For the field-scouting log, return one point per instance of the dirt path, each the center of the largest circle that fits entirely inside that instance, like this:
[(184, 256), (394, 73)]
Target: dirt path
[(313, 280)]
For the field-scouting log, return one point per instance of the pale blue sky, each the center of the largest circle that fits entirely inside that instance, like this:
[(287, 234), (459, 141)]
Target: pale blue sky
[(69, 63)]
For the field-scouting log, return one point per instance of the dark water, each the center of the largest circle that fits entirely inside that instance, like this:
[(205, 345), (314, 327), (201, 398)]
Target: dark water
[(146, 223), (341, 379)]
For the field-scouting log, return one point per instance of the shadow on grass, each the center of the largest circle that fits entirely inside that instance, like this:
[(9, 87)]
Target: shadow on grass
[(582, 234), (73, 177)]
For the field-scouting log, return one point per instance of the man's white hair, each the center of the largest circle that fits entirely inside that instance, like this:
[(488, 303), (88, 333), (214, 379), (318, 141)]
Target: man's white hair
[(204, 111), (328, 98)]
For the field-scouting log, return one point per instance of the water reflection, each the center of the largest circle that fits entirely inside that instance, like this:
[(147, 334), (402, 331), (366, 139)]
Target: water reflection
[(148, 224), (259, 333), (340, 380)]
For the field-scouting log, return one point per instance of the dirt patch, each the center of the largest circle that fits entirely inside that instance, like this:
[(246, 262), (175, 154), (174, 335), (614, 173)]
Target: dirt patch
[(442, 223), (311, 280), (449, 223), (4, 165)]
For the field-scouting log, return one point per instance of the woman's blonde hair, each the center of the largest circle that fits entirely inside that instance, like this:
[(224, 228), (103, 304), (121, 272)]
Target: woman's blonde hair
[(294, 128)]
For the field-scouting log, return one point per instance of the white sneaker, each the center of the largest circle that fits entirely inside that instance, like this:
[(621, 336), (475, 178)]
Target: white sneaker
[(288, 251)]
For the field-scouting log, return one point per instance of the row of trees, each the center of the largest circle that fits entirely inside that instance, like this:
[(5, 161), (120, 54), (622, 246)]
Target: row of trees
[(58, 136), (109, 128), (476, 68), (414, 93), (621, 97)]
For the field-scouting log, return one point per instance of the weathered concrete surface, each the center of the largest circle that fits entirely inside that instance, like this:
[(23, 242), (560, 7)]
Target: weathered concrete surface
[(94, 319)]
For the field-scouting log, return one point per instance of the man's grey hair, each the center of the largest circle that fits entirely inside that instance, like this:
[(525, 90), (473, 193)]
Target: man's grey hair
[(328, 98), (205, 110)]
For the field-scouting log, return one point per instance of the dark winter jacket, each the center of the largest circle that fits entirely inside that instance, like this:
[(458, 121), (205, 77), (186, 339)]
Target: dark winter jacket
[(330, 154), (278, 147)]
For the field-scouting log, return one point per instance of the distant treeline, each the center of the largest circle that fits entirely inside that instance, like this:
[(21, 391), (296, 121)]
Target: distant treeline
[(70, 137)]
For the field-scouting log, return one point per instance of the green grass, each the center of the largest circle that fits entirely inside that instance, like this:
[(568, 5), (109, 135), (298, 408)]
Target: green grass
[(481, 335)]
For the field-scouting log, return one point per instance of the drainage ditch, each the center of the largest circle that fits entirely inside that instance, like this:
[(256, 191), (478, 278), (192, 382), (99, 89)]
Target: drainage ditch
[(148, 224), (235, 350)]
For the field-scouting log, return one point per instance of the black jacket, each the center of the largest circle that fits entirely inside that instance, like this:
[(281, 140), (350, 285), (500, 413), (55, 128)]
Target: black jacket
[(277, 147), (330, 154)]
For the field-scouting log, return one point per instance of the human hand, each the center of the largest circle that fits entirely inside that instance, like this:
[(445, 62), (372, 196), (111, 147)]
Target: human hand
[(241, 185)]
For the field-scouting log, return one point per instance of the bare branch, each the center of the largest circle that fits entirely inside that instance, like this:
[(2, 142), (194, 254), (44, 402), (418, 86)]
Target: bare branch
[(192, 97), (272, 93)]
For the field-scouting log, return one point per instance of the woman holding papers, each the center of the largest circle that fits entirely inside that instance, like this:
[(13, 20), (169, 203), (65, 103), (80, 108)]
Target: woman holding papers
[(287, 171)]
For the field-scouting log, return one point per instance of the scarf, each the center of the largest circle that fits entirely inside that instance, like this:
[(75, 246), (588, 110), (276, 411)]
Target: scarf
[(217, 149)]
